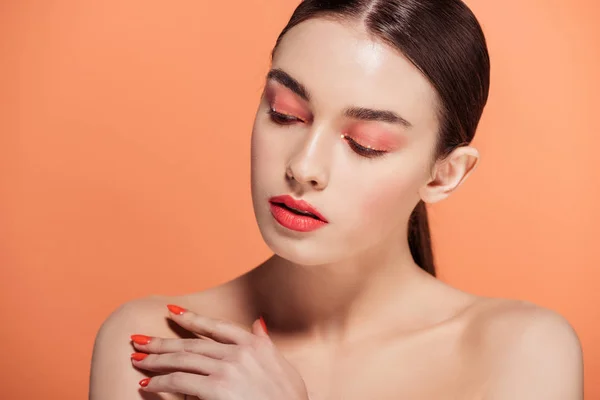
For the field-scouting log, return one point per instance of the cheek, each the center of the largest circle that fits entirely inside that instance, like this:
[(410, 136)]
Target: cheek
[(259, 142), (388, 198), (387, 202), (266, 152)]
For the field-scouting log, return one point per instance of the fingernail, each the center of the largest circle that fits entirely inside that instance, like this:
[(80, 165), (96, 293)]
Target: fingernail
[(144, 382), (264, 325), (176, 309), (139, 356), (140, 339)]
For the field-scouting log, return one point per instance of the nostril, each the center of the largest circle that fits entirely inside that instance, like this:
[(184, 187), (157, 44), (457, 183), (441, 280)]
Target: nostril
[(288, 174)]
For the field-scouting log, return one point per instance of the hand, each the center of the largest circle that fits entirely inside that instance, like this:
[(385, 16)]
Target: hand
[(227, 363)]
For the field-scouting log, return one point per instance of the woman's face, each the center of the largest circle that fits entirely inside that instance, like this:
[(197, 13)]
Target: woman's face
[(352, 133)]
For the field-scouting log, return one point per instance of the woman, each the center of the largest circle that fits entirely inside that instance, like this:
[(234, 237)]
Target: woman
[(367, 114)]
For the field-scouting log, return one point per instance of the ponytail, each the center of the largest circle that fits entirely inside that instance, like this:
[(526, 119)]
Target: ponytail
[(419, 238)]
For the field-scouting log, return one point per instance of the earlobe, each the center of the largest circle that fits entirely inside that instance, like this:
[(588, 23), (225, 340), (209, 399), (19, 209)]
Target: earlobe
[(449, 173)]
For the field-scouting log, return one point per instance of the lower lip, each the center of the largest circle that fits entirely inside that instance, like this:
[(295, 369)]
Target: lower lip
[(295, 222)]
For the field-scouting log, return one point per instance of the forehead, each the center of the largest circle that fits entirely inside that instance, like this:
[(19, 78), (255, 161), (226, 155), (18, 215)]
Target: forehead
[(340, 65)]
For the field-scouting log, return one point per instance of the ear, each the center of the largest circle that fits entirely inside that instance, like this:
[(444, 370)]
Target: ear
[(449, 173)]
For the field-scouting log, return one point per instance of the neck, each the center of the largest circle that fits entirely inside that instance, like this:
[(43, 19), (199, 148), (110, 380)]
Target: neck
[(339, 301)]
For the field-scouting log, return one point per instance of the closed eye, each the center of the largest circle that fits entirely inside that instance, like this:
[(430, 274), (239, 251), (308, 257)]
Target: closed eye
[(362, 150), (282, 119), (286, 119)]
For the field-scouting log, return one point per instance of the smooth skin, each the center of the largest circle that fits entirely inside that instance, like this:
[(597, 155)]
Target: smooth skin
[(349, 313)]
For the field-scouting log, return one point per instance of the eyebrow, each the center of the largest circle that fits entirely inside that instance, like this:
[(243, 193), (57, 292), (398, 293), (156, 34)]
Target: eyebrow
[(362, 113)]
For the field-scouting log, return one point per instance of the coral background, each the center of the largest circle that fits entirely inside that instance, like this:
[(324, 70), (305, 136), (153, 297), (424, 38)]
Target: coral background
[(124, 168)]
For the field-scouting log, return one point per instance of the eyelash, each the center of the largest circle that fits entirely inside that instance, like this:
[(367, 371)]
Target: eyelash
[(284, 119)]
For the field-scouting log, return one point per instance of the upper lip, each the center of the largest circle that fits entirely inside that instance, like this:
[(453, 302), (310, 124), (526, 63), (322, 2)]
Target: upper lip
[(300, 205)]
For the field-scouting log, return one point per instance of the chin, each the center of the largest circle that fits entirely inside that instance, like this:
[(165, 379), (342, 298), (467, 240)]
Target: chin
[(296, 255), (298, 248)]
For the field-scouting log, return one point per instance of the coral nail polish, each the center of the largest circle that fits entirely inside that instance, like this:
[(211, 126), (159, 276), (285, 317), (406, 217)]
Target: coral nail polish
[(264, 325), (140, 339), (176, 309), (139, 356), (144, 382)]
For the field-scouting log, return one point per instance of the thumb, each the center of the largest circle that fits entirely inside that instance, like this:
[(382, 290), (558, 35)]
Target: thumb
[(259, 328)]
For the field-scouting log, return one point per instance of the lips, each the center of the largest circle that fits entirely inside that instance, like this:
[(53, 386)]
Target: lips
[(300, 207), (296, 215)]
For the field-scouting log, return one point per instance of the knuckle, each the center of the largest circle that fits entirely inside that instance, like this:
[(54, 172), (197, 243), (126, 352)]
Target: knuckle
[(180, 358), (228, 372), (245, 354), (190, 345), (220, 386), (208, 328), (217, 325), (158, 345), (218, 380), (195, 323), (176, 379)]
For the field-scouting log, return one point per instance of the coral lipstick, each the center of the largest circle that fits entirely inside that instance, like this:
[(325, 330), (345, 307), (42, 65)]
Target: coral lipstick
[(297, 215)]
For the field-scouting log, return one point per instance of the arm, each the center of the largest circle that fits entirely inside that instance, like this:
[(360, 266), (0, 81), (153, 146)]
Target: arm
[(113, 376), (543, 360)]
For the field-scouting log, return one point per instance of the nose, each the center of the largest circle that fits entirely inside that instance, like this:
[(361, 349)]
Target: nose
[(309, 166)]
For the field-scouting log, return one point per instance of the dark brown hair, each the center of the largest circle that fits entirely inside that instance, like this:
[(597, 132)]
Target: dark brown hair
[(443, 39)]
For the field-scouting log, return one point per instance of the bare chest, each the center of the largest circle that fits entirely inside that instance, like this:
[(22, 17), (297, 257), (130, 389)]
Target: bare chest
[(416, 370)]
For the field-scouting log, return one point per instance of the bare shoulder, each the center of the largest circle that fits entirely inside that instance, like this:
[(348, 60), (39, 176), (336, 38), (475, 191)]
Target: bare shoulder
[(141, 313), (112, 373), (529, 351), (507, 320)]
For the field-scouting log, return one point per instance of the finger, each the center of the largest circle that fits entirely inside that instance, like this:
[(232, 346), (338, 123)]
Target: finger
[(183, 383), (222, 331), (259, 328), (187, 362), (159, 345)]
